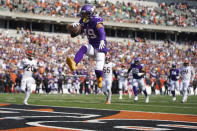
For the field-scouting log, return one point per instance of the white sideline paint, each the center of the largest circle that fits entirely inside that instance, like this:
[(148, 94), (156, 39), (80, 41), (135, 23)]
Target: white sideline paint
[(2, 111), (142, 128), (38, 124), (100, 120), (23, 117), (178, 126)]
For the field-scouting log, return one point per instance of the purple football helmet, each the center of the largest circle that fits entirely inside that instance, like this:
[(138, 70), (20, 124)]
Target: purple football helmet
[(137, 60), (173, 65), (87, 11)]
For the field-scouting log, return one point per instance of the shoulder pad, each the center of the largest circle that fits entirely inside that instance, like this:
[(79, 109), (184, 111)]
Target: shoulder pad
[(97, 20)]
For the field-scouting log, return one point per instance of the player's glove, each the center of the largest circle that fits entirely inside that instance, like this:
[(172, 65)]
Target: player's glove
[(102, 44), (75, 24)]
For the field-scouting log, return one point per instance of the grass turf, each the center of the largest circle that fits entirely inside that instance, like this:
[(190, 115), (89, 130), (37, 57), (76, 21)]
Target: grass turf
[(158, 103)]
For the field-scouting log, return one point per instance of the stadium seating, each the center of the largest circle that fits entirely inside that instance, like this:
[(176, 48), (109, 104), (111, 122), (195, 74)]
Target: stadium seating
[(142, 12)]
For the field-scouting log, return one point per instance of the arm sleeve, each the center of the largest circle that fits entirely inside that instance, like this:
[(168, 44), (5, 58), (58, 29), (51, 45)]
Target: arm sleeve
[(102, 34)]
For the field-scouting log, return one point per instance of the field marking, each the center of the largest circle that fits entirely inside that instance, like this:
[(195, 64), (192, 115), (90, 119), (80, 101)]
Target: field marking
[(103, 109), (142, 128), (38, 124), (96, 120), (2, 111), (178, 126), (37, 129), (82, 114), (23, 117), (102, 120), (109, 109)]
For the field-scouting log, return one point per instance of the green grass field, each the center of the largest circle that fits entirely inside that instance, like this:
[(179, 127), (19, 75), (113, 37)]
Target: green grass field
[(157, 103)]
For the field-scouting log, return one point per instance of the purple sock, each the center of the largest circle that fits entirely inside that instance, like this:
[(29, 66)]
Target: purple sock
[(79, 54), (173, 93), (145, 93), (98, 73), (135, 90)]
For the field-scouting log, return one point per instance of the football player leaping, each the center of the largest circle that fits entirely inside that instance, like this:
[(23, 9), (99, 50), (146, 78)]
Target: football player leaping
[(107, 78), (93, 27), (138, 79), (187, 76), (174, 80), (28, 83)]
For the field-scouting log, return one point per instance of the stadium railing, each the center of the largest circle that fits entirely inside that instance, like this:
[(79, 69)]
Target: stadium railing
[(23, 16)]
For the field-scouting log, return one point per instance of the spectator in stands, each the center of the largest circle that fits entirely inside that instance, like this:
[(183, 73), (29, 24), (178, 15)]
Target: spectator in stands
[(168, 14)]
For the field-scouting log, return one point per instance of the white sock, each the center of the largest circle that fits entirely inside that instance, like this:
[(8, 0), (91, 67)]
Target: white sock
[(27, 95), (109, 95), (120, 93)]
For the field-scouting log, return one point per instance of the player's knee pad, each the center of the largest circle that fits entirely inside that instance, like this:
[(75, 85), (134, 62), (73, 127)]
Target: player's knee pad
[(90, 49)]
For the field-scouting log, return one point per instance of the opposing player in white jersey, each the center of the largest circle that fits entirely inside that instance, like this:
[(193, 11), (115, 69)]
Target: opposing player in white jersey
[(107, 78), (28, 83), (187, 76), (122, 80)]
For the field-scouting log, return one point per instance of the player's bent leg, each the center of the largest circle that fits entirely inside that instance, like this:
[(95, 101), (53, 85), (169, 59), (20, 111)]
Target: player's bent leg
[(23, 85), (120, 89), (185, 93), (100, 81), (130, 93), (79, 55), (31, 86), (28, 92), (109, 96), (109, 93), (143, 87)]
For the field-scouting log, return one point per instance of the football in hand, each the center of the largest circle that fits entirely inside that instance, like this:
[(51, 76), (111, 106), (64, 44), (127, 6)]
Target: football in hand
[(74, 31)]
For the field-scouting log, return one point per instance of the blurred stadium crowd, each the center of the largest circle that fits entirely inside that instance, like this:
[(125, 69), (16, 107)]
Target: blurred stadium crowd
[(54, 75), (168, 14)]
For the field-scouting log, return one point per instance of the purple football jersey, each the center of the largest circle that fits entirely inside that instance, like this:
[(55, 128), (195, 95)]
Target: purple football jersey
[(174, 74), (92, 32), (135, 70)]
